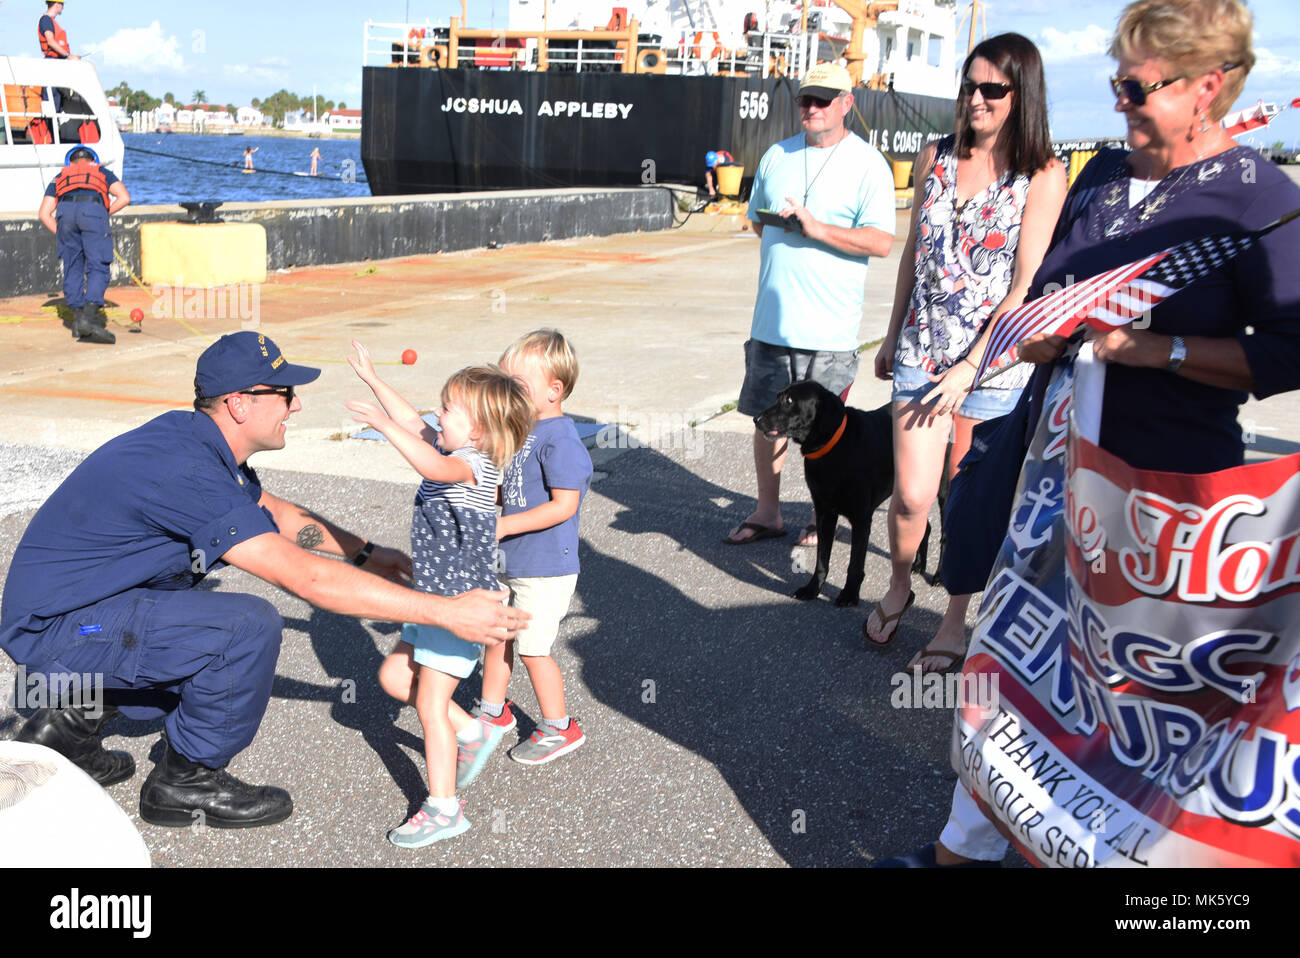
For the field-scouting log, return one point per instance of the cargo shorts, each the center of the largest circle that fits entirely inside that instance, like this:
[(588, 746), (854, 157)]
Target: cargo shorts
[(769, 369)]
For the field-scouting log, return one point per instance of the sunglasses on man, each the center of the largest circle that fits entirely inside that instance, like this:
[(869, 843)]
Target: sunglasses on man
[(807, 101), (990, 91), (285, 391)]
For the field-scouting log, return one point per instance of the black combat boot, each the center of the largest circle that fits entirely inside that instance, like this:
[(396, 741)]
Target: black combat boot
[(181, 792), (90, 325), (75, 735)]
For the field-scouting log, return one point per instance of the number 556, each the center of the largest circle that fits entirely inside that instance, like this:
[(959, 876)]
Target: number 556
[(753, 105)]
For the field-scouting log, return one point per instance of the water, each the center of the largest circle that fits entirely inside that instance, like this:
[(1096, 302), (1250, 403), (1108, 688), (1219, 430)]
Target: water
[(210, 168)]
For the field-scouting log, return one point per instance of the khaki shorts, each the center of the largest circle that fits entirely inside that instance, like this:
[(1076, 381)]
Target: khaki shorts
[(546, 599)]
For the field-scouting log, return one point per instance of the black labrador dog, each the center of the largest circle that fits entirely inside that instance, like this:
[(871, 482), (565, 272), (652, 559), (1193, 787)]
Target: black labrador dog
[(849, 465)]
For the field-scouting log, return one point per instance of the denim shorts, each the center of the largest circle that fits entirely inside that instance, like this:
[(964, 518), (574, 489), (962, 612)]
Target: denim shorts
[(911, 384), (439, 649), (769, 369)]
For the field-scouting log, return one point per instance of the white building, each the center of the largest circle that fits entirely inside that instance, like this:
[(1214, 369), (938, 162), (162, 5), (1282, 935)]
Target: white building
[(343, 120), (247, 116)]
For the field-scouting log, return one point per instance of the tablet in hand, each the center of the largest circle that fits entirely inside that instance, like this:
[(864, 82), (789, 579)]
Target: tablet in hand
[(773, 218)]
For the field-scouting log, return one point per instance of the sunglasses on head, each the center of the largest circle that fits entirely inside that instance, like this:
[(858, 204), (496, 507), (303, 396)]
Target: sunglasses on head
[(990, 91), (807, 100), (285, 391)]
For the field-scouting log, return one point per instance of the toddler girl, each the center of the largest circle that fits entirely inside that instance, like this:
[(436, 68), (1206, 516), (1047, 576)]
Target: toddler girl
[(484, 418)]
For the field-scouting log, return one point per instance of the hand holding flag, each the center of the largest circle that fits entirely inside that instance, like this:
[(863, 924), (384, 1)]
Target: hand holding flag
[(1118, 296)]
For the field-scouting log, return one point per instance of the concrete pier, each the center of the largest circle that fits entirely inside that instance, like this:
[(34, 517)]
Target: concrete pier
[(316, 232), (728, 724)]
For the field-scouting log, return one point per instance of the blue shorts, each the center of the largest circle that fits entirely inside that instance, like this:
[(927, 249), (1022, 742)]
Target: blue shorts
[(439, 649), (911, 384)]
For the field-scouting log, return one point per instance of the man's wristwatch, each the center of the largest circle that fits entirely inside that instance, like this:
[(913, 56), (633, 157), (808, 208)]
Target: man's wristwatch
[(363, 554), (1177, 353)]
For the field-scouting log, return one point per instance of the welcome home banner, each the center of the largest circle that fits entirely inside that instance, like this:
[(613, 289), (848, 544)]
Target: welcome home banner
[(1144, 628)]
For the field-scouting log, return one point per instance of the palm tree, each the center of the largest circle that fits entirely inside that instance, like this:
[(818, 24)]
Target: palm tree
[(169, 98), (198, 96)]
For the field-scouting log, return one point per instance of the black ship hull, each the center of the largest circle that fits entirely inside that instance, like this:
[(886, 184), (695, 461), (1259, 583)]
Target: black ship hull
[(436, 131)]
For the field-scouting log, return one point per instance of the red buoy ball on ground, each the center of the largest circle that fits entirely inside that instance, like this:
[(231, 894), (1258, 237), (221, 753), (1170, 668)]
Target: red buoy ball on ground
[(409, 357), (137, 315)]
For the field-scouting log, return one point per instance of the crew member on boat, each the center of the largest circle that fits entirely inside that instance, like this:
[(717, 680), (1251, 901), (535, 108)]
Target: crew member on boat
[(76, 209), (54, 43)]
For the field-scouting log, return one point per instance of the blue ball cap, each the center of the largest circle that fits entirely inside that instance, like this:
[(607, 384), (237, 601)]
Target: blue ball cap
[(239, 360), (710, 158)]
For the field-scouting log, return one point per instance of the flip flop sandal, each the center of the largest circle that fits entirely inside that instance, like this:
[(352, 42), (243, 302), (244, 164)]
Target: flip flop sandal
[(808, 536), (885, 620), (759, 533), (955, 660)]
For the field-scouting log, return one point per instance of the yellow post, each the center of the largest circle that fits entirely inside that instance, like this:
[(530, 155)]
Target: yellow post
[(453, 43)]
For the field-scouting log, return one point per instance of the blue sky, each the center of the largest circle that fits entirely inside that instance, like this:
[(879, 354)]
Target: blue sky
[(240, 49)]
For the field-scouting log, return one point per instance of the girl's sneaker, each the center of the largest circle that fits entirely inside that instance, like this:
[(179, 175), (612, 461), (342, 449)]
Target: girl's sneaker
[(548, 742), (428, 825), (472, 756)]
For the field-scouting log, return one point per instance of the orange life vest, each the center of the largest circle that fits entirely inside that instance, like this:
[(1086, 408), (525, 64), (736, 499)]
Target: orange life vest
[(81, 175), (38, 131), (59, 36)]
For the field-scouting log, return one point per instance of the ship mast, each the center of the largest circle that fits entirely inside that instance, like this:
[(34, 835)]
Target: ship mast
[(976, 12)]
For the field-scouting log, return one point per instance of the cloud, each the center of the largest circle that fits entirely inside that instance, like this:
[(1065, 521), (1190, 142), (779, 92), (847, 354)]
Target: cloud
[(1269, 65), (140, 48), (1057, 45), (265, 70)]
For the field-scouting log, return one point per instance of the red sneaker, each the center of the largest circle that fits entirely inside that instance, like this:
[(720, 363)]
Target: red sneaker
[(548, 742)]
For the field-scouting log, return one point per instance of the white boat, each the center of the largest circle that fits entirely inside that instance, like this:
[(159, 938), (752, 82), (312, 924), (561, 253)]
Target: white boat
[(34, 140)]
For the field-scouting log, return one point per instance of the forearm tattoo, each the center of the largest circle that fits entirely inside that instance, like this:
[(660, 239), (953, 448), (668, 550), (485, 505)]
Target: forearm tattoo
[(310, 537)]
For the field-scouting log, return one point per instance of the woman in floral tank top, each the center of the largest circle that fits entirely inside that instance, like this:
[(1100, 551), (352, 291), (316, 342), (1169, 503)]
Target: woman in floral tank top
[(985, 202)]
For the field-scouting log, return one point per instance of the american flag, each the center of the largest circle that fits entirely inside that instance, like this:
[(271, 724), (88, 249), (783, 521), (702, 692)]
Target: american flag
[(1118, 296)]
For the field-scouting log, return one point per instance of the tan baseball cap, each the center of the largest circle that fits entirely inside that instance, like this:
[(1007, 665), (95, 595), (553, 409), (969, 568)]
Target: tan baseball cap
[(826, 80)]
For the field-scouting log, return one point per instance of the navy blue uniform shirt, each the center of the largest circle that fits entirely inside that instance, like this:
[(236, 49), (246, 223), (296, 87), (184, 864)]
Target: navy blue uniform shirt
[(156, 507), (1151, 418)]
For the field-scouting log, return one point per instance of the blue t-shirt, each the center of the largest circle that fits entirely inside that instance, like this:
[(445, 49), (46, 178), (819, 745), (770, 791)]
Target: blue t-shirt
[(810, 295), (156, 507), (46, 25), (553, 457)]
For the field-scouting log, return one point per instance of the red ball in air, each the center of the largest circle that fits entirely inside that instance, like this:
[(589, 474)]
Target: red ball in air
[(137, 315), (409, 357)]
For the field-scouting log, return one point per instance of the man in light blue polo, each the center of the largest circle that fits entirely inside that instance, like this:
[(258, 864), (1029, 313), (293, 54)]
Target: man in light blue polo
[(837, 193)]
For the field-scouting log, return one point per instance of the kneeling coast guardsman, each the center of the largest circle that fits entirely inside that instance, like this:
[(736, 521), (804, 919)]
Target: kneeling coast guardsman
[(76, 209)]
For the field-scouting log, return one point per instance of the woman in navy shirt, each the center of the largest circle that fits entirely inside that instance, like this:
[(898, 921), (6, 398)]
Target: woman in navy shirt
[(1172, 389)]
